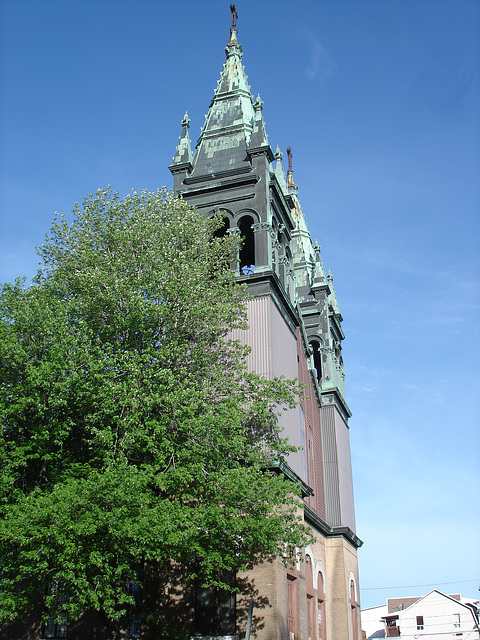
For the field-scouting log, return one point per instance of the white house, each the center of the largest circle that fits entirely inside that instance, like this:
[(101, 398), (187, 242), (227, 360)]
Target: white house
[(434, 616)]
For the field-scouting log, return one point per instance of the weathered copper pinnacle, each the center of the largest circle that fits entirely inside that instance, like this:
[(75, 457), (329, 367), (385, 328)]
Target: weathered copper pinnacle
[(289, 156)]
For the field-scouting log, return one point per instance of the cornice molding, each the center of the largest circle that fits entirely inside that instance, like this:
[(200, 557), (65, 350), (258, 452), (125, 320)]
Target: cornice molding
[(331, 532)]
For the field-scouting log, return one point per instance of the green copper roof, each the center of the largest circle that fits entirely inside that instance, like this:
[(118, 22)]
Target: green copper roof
[(230, 121)]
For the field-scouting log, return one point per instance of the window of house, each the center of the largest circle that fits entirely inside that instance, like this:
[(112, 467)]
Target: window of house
[(292, 606), (456, 620), (56, 625), (215, 608), (321, 606), (353, 606), (419, 622), (310, 598), (222, 231), (55, 628), (275, 246), (135, 615), (288, 276), (247, 251), (317, 358)]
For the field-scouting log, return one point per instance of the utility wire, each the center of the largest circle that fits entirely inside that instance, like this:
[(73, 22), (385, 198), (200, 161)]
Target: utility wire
[(414, 586)]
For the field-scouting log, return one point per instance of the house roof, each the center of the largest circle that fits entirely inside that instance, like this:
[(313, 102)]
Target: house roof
[(413, 601)]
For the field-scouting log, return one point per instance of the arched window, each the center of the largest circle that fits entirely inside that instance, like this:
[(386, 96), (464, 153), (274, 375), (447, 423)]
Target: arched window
[(353, 605), (275, 246), (281, 255), (310, 598), (292, 602), (56, 625), (222, 231), (288, 273), (247, 251), (317, 358), (215, 608), (321, 606)]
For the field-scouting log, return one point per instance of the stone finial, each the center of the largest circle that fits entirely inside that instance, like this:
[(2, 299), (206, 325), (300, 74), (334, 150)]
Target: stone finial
[(259, 104), (330, 276), (278, 154), (186, 120)]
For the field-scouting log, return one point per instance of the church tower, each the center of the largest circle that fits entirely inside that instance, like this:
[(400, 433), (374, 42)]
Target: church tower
[(295, 331)]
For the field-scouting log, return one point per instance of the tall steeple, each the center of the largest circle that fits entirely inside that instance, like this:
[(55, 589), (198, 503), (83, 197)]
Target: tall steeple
[(231, 116), (294, 326)]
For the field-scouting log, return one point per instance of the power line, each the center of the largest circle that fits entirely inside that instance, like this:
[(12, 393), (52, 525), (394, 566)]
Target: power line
[(414, 586)]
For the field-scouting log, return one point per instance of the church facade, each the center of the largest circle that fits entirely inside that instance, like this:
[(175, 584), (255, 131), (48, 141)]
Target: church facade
[(295, 331)]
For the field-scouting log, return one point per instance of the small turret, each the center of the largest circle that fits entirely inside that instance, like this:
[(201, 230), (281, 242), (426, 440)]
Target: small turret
[(318, 276), (332, 298), (182, 160), (259, 139)]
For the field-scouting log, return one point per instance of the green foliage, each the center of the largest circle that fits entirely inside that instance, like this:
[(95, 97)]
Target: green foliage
[(131, 432)]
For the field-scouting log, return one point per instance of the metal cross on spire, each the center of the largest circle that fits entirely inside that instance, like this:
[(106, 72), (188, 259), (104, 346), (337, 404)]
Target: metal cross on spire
[(233, 9)]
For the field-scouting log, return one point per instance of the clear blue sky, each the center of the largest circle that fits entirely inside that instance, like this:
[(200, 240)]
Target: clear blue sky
[(380, 102)]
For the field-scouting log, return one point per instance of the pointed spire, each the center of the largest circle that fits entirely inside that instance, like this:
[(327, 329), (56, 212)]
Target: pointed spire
[(318, 271), (292, 187), (183, 153), (231, 117), (332, 298), (259, 137), (233, 47)]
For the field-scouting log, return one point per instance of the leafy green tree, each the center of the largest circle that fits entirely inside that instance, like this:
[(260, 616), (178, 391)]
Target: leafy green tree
[(132, 435)]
